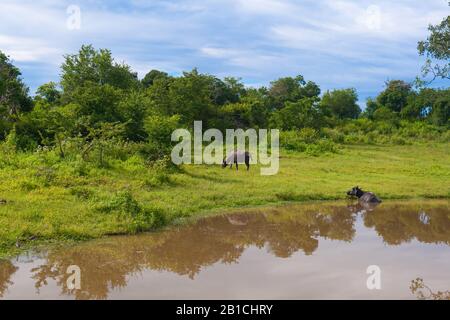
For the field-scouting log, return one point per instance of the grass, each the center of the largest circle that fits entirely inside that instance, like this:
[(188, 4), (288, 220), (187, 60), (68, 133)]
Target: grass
[(49, 200)]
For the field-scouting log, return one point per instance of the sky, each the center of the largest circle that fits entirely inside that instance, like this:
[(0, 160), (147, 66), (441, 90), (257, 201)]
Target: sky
[(335, 43)]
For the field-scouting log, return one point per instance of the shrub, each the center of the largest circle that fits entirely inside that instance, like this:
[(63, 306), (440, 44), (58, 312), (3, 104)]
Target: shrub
[(306, 140), (135, 216), (334, 135), (321, 147)]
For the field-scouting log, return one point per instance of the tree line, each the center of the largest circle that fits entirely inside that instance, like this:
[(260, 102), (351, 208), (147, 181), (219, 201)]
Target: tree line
[(99, 98)]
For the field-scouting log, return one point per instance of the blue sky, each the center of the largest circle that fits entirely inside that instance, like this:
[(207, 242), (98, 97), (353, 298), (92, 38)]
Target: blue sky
[(336, 43)]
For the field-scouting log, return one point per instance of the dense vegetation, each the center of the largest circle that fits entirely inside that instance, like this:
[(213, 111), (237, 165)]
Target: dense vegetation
[(99, 104), (88, 156)]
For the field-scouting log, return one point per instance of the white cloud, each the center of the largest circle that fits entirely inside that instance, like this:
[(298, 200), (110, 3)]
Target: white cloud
[(23, 49), (268, 7), (334, 42)]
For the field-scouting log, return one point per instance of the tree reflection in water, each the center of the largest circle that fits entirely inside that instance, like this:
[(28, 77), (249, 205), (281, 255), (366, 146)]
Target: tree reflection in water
[(7, 269), (186, 250), (423, 292)]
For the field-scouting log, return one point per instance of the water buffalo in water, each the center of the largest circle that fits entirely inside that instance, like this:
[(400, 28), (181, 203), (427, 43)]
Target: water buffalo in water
[(237, 157), (364, 197)]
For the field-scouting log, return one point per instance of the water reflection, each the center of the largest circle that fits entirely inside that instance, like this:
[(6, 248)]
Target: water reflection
[(424, 292), (398, 224), (7, 269), (187, 250)]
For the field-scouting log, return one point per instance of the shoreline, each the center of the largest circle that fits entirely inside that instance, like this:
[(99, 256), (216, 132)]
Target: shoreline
[(36, 245)]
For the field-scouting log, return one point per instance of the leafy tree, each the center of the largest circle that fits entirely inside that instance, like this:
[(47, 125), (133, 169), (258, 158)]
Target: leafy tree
[(292, 90), (151, 76), (436, 49), (49, 93), (132, 110), (428, 103), (227, 91), (384, 114), (304, 113), (341, 104), (100, 138), (189, 96), (371, 107), (159, 130), (94, 67), (14, 97), (244, 114), (48, 125), (395, 96), (94, 104), (440, 114)]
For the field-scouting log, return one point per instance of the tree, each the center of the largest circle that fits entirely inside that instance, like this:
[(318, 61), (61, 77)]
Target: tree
[(436, 49), (371, 107), (430, 104), (151, 76), (244, 114), (132, 110), (91, 66), (49, 93), (441, 112), (341, 104), (189, 96), (94, 85), (297, 115), (96, 104), (395, 96), (384, 114), (159, 130), (292, 90), (14, 97), (227, 91)]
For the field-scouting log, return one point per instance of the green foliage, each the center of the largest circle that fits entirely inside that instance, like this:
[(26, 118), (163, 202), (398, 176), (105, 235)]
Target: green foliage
[(304, 113), (440, 114), (307, 140), (291, 90), (14, 97), (48, 199), (341, 104), (246, 114), (371, 107), (49, 93), (127, 208), (133, 109), (436, 50), (395, 96), (151, 76), (384, 114), (100, 113), (94, 67), (400, 132)]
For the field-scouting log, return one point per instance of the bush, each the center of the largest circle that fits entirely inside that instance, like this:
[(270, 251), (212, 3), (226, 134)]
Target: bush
[(135, 216), (306, 140), (334, 135), (322, 146)]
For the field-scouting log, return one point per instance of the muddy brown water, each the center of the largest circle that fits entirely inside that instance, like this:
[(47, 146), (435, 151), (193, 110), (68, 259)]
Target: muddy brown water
[(308, 251)]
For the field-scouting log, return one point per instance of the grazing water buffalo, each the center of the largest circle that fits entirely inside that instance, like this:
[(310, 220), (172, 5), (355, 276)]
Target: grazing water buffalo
[(237, 157), (365, 197)]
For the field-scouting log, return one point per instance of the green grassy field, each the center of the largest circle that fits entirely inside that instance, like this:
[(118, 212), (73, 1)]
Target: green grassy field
[(48, 200)]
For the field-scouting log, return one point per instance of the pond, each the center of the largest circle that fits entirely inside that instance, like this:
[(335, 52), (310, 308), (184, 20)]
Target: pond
[(305, 251)]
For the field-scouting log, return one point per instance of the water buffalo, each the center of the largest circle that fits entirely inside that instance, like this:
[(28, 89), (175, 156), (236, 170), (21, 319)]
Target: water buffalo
[(364, 197), (237, 157)]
